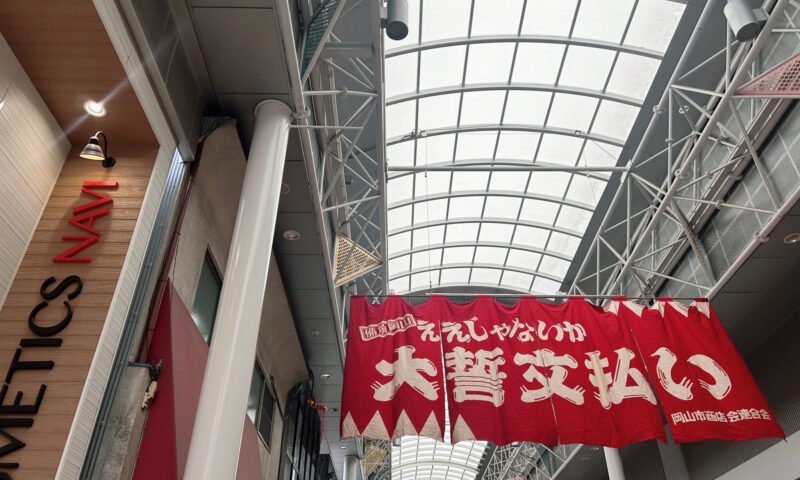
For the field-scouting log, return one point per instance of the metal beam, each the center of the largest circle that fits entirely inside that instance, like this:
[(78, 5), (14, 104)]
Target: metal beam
[(508, 127)]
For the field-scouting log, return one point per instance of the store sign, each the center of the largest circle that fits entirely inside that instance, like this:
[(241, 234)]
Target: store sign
[(537, 372), (84, 218)]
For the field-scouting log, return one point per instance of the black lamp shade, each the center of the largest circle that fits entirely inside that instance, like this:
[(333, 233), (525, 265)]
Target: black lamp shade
[(92, 150)]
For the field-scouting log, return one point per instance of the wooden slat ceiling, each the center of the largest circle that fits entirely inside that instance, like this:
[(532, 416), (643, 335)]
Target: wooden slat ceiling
[(66, 52)]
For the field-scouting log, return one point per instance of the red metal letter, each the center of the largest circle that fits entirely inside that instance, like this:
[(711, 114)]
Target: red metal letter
[(67, 256)]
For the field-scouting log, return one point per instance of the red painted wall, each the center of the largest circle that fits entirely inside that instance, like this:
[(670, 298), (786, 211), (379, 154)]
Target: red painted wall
[(168, 429)]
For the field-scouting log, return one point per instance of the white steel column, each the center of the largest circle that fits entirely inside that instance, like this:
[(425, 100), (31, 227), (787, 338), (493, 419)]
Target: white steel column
[(614, 464), (218, 425)]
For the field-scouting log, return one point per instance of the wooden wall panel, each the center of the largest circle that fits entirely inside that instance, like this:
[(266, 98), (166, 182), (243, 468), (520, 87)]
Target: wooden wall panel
[(45, 440)]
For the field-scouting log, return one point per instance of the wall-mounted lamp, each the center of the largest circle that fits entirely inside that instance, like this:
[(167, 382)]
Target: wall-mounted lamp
[(92, 150)]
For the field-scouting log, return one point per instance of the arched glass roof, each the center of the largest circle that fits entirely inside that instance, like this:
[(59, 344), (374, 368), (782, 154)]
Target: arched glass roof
[(511, 83)]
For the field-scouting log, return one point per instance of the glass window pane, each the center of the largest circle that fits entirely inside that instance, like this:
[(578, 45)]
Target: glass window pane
[(399, 120), (508, 181), (573, 112), (399, 285), (441, 67), (399, 188), (549, 17), (553, 184), (266, 416), (490, 276), (489, 63), (204, 309), (566, 244), (431, 184), (495, 255), (496, 232), (254, 398), (482, 108), (632, 75), (501, 207), (400, 154), (465, 207), (456, 26), (431, 211), (517, 145), (401, 74), (517, 280), (545, 286), (438, 111), (455, 255), (530, 236), (470, 181), (602, 20), (586, 67), (489, 18), (585, 190), (526, 108), (399, 242), (427, 258), (537, 63), (476, 145), (429, 236), (420, 281), (462, 232), (524, 259), (653, 24), (554, 266), (455, 275), (599, 154), (436, 149), (614, 120), (574, 218), (559, 149), (539, 211), (400, 264), (399, 217)]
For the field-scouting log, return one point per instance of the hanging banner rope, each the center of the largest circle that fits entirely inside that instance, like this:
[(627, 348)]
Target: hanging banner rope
[(546, 373)]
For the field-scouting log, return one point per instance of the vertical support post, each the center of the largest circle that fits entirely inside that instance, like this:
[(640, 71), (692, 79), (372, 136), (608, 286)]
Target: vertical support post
[(350, 468), (218, 425), (614, 464)]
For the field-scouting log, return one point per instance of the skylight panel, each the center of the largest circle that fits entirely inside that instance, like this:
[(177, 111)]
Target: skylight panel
[(462, 232), (402, 69), (530, 236), (427, 258), (502, 207), (614, 119), (400, 119), (456, 26), (399, 242), (429, 236), (470, 181), (524, 259), (399, 217), (436, 149), (554, 266), (633, 75), (526, 107), (465, 207), (420, 281), (455, 276), (516, 280), (441, 67), (489, 63), (490, 276), (549, 17), (476, 145), (573, 112), (496, 232), (399, 188), (539, 211), (553, 184), (545, 286), (653, 24), (573, 218), (508, 181), (482, 108), (399, 285), (585, 190), (491, 18), (438, 111), (431, 183), (602, 19), (537, 62), (400, 154), (400, 264), (517, 145), (586, 67), (559, 149), (495, 255), (599, 154), (562, 243), (431, 211)]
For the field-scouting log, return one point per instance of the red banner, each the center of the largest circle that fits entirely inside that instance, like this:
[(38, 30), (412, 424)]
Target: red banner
[(544, 373), (393, 375), (704, 386)]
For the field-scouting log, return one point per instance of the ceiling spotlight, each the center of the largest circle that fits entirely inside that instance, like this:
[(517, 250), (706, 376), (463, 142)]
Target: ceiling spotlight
[(343, 447), (792, 238), (315, 332), (95, 109), (325, 376), (291, 235), (92, 150)]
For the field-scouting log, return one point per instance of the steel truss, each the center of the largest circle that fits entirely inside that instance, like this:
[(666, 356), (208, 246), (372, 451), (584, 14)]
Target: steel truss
[(653, 223)]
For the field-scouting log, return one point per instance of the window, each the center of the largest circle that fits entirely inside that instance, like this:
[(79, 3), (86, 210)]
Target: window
[(261, 406), (301, 458), (204, 310)]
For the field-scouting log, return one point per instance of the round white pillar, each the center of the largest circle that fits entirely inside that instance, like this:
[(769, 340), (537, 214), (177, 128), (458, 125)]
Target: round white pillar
[(614, 464), (351, 468), (216, 438)]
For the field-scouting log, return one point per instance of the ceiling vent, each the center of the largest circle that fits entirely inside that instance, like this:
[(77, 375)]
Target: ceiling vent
[(783, 81), (351, 261)]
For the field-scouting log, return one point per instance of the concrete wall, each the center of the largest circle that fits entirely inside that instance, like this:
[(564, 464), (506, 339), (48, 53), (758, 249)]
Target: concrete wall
[(208, 225), (32, 151)]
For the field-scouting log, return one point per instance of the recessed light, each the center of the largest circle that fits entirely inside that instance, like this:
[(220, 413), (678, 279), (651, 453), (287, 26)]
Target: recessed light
[(792, 238), (343, 448), (315, 332), (325, 376), (291, 235), (95, 109)]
